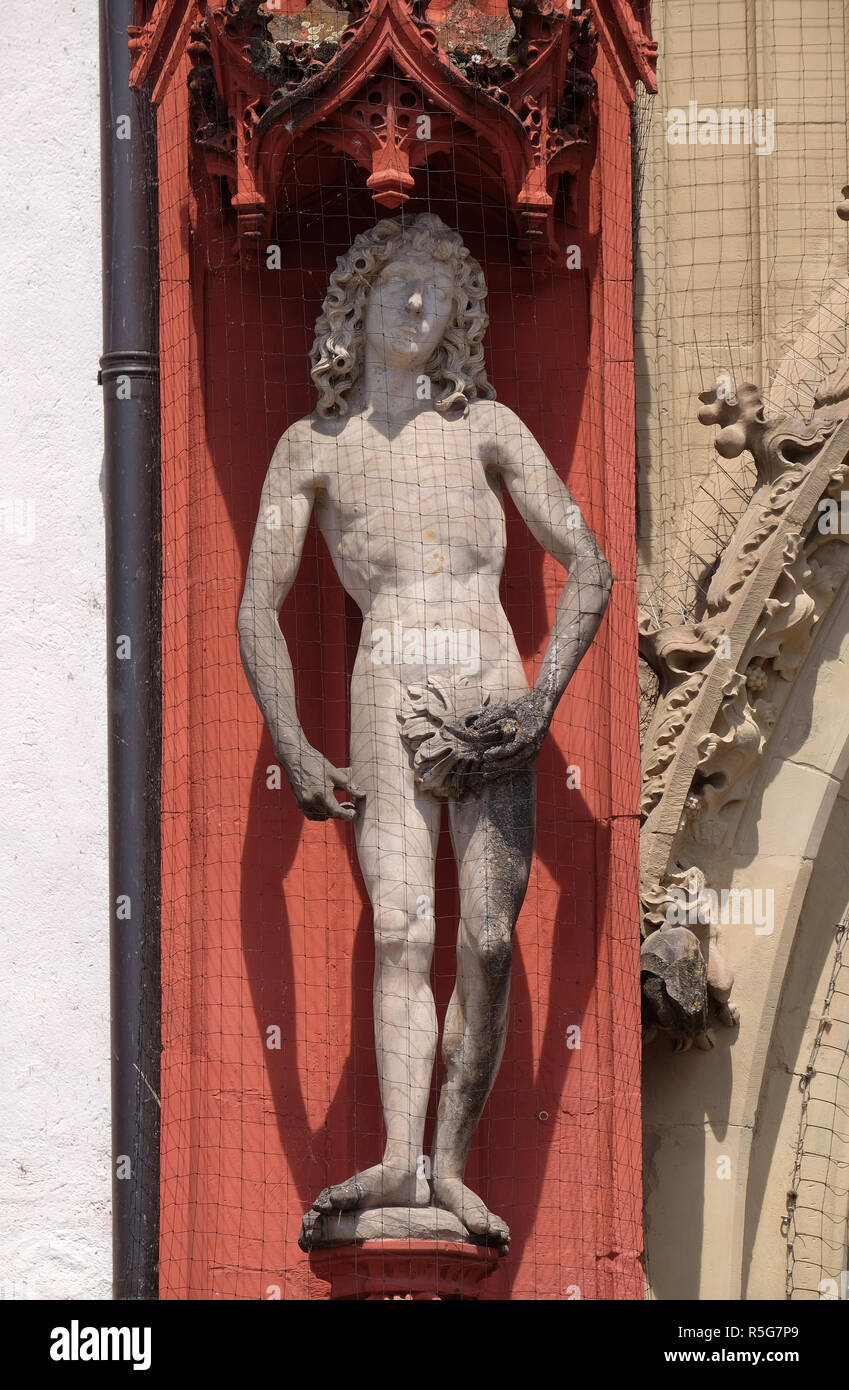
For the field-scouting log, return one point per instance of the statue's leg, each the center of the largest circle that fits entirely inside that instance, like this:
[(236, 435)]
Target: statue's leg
[(397, 833), (493, 837)]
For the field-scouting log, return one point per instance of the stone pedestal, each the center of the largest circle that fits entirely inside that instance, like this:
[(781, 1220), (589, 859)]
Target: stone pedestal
[(417, 1253), (415, 1270)]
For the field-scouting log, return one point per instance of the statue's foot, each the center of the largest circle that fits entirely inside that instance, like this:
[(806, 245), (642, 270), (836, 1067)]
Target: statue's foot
[(380, 1186), (452, 1195)]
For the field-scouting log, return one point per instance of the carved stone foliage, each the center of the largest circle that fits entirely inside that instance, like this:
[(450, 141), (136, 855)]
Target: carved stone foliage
[(381, 88), (784, 451), (723, 681)]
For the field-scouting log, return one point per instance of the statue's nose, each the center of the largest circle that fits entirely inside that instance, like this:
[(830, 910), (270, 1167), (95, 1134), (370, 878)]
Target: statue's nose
[(414, 303)]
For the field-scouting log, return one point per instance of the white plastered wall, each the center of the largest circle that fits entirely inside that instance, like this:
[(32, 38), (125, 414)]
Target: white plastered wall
[(54, 1097)]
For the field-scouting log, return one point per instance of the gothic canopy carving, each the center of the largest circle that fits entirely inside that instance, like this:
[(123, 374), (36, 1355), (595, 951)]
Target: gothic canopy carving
[(387, 92)]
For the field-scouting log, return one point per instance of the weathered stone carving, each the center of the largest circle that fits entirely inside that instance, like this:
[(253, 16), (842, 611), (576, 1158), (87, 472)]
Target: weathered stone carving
[(674, 984), (679, 657), (404, 462), (686, 982), (723, 680)]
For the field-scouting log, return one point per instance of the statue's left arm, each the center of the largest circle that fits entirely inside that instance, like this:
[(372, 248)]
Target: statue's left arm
[(554, 519)]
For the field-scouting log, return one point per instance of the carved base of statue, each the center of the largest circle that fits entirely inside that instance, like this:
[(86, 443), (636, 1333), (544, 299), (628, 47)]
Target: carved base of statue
[(411, 1253), (320, 1229), (325, 1230)]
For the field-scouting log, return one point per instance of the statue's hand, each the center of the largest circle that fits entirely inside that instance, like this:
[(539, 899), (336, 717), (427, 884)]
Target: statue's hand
[(522, 726), (314, 781), (456, 757)]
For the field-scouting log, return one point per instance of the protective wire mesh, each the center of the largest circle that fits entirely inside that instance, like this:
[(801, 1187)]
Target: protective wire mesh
[(818, 1197), (744, 155), (270, 1087), (740, 277)]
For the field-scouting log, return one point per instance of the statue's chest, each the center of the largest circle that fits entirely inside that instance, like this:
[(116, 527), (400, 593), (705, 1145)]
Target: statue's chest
[(431, 485)]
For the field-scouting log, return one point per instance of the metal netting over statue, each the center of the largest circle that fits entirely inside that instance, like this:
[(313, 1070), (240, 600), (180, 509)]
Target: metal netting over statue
[(400, 769)]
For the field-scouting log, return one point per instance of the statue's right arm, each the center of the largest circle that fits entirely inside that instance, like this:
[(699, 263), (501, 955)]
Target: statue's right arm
[(288, 496), (284, 515)]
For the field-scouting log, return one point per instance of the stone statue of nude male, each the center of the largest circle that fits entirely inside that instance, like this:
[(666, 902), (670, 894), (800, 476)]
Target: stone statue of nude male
[(404, 462)]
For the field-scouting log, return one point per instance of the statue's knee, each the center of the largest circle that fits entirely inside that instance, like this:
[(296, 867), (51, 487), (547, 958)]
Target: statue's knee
[(495, 949), (401, 940)]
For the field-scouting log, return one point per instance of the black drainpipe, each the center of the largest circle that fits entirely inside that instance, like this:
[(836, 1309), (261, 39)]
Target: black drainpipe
[(130, 378)]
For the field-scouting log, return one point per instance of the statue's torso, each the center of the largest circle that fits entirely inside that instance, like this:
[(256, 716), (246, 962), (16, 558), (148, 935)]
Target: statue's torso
[(412, 519), (415, 526)]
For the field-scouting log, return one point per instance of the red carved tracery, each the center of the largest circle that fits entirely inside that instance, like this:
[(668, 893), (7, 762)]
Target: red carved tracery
[(388, 96)]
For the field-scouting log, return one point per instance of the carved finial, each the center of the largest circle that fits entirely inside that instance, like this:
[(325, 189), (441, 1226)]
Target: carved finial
[(776, 445), (740, 415)]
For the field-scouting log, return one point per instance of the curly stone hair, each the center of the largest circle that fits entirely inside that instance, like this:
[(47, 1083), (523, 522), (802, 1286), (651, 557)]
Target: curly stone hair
[(457, 366)]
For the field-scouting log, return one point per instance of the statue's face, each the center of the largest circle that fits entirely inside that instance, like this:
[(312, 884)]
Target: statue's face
[(410, 305)]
